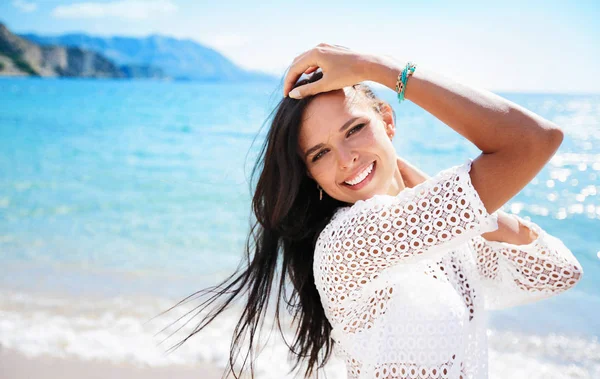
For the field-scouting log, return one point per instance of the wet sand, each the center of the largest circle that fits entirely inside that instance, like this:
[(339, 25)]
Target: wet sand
[(15, 365)]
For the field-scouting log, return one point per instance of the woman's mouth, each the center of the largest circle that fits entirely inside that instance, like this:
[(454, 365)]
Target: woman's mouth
[(362, 178)]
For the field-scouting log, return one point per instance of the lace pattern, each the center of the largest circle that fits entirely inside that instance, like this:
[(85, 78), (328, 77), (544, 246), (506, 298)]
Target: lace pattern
[(519, 274), (405, 280)]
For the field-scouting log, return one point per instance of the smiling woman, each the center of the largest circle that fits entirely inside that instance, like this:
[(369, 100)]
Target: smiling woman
[(347, 159), (393, 270)]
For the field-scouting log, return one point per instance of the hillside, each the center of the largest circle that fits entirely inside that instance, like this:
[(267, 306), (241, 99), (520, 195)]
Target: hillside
[(179, 58), (22, 57)]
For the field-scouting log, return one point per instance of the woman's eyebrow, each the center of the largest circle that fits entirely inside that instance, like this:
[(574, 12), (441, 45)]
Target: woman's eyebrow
[(317, 147), (348, 123), (312, 150)]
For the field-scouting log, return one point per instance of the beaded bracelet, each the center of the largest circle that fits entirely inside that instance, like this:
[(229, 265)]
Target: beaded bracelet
[(403, 78)]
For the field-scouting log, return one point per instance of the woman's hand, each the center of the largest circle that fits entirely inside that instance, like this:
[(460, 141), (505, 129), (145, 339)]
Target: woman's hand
[(341, 67), (411, 175)]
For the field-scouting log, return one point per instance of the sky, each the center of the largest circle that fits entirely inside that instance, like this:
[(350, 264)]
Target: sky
[(517, 46)]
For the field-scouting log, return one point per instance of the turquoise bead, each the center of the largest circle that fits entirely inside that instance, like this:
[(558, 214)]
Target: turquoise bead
[(409, 66)]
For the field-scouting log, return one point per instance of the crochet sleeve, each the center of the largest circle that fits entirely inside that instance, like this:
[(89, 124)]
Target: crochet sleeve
[(518, 274)]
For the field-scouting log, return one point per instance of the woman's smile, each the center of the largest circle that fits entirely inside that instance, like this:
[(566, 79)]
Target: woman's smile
[(361, 178)]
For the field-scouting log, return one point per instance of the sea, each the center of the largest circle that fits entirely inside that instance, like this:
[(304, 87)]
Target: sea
[(119, 199)]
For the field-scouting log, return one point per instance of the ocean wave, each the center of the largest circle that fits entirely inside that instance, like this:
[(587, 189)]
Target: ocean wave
[(125, 329)]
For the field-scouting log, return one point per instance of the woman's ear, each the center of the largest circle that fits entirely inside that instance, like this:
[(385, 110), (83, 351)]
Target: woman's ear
[(309, 175), (388, 118), (390, 129)]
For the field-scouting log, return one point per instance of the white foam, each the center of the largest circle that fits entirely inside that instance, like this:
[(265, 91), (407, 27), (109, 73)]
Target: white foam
[(513, 354), (121, 330)]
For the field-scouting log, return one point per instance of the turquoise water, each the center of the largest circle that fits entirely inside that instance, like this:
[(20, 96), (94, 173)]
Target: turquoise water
[(140, 187)]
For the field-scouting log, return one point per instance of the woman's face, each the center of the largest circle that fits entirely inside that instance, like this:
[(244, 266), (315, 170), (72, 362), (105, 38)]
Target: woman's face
[(347, 147)]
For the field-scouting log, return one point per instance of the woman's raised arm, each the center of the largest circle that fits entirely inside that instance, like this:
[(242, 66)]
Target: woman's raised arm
[(515, 142)]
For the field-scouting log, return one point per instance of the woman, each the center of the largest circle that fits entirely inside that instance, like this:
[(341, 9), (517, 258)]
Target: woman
[(393, 269)]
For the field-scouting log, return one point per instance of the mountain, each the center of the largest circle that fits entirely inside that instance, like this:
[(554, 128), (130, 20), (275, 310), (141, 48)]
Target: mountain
[(179, 58), (19, 56)]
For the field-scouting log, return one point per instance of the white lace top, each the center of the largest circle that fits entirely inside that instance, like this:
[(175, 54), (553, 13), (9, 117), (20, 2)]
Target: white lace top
[(405, 280)]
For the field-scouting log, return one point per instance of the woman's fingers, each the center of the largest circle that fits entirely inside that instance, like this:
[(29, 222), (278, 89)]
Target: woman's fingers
[(309, 89), (300, 64), (324, 56), (311, 70), (400, 162)]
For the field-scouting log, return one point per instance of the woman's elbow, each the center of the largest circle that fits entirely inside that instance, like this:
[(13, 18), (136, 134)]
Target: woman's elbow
[(553, 137), (571, 275), (556, 136), (544, 143), (577, 271)]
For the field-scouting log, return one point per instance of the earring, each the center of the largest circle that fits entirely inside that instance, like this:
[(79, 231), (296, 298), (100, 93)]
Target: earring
[(320, 192)]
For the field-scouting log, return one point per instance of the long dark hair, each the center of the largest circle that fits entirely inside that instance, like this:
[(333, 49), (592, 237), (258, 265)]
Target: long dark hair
[(289, 217)]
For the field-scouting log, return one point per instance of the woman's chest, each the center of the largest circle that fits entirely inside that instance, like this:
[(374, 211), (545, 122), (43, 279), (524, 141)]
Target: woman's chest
[(443, 291)]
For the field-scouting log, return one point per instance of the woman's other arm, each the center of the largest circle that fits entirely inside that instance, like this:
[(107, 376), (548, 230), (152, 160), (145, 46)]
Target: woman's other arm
[(515, 142), (518, 263), (510, 230)]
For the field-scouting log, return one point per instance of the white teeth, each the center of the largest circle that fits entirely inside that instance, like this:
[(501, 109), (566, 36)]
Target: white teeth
[(361, 176)]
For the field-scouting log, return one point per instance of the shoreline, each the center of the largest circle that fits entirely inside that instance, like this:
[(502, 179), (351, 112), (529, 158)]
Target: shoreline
[(16, 365)]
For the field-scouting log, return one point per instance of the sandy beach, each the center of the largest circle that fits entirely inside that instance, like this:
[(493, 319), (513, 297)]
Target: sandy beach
[(15, 365)]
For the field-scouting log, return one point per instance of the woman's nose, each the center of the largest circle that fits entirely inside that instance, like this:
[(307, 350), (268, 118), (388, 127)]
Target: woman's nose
[(347, 158)]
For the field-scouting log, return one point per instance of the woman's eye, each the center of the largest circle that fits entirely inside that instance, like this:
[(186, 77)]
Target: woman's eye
[(319, 155), (355, 129)]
